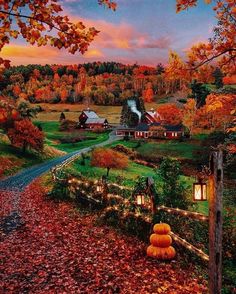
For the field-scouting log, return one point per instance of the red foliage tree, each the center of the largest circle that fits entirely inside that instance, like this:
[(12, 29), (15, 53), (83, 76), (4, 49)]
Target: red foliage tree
[(26, 135), (16, 90), (148, 93), (170, 114), (108, 158)]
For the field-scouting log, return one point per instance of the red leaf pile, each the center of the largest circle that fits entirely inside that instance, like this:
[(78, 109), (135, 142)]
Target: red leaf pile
[(59, 250)]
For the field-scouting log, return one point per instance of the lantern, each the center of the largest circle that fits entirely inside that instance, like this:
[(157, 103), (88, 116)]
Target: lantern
[(99, 188), (140, 199), (199, 191)]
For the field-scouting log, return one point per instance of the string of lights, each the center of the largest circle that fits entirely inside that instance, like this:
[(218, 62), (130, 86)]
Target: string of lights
[(189, 246), (191, 214)]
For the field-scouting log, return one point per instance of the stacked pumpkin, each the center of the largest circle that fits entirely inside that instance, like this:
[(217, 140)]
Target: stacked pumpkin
[(160, 243)]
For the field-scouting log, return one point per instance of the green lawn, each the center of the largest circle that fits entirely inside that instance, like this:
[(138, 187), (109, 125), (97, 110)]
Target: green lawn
[(52, 134), (169, 148), (164, 148), (129, 175)]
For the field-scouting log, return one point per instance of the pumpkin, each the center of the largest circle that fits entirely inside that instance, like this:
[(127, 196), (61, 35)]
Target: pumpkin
[(150, 251), (164, 253), (160, 240), (167, 253), (161, 229)]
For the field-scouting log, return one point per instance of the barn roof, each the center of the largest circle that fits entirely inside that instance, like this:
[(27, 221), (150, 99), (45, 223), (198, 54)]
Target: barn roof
[(95, 120), (90, 114), (151, 113)]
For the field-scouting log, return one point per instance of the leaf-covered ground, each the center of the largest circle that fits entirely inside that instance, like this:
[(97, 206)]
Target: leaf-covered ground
[(58, 250)]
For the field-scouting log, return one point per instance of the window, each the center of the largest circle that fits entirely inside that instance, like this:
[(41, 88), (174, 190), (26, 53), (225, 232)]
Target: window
[(164, 134), (172, 134), (176, 134)]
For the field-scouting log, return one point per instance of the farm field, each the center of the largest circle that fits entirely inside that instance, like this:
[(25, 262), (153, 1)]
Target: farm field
[(72, 111)]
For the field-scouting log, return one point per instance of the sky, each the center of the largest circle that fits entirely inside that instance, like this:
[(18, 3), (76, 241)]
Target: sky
[(139, 31)]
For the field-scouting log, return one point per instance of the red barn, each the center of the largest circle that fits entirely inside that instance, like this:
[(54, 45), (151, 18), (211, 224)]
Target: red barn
[(90, 120), (151, 116)]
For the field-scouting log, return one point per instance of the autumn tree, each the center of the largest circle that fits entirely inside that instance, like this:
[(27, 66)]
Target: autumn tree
[(189, 112), (8, 113), (170, 114), (176, 73), (229, 80), (25, 135), (221, 46), (34, 20), (148, 93), (109, 159)]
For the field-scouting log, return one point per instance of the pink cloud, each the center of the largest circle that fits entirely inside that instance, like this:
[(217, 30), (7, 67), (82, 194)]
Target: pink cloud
[(123, 36)]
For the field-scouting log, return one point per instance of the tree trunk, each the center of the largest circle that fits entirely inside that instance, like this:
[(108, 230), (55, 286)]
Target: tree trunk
[(108, 169)]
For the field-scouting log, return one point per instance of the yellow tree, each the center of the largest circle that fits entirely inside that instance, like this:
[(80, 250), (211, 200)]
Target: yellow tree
[(189, 112)]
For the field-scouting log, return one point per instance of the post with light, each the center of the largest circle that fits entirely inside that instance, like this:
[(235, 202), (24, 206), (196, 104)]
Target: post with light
[(140, 199), (215, 194), (199, 191)]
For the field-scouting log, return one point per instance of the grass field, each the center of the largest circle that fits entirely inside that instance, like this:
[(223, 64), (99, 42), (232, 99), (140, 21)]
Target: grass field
[(163, 148), (72, 111), (52, 134), (129, 175)]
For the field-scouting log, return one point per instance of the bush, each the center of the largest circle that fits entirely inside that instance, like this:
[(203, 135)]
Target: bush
[(67, 125), (122, 149), (173, 192), (59, 191), (72, 139), (130, 224), (98, 130)]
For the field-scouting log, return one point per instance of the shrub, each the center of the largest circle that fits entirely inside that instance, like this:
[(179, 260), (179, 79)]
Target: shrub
[(173, 192), (67, 125), (59, 191)]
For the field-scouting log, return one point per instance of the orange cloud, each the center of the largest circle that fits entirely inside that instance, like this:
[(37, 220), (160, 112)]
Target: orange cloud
[(93, 53), (27, 51)]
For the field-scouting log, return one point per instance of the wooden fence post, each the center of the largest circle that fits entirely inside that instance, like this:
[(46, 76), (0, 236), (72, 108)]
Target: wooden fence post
[(215, 222)]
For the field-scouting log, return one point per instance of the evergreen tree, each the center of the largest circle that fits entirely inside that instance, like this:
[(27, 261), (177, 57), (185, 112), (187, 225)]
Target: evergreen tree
[(218, 75), (172, 191), (199, 93), (62, 117)]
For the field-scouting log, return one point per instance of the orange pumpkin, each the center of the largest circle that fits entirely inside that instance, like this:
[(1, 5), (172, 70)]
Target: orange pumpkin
[(168, 253), (163, 253), (151, 250), (161, 229), (160, 240)]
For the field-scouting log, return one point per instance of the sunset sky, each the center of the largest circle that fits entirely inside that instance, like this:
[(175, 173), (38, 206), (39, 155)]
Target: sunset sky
[(141, 31)]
